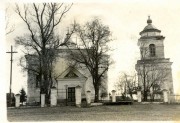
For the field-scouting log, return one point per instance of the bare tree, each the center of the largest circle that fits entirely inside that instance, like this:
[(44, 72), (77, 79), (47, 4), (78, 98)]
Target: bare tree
[(91, 51), (151, 75), (127, 84), (9, 27), (41, 38)]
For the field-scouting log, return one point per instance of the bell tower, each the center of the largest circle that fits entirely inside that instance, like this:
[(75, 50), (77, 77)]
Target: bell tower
[(151, 42), (153, 68)]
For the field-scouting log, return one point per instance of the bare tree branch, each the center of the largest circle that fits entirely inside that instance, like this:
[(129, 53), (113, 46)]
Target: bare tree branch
[(42, 40), (90, 51), (9, 27)]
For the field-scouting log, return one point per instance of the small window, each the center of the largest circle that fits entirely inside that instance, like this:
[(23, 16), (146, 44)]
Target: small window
[(152, 50)]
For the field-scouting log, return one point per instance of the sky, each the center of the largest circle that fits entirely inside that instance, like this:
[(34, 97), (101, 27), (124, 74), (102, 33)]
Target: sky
[(125, 20)]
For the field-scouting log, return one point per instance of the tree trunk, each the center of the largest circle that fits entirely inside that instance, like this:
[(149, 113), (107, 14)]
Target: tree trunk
[(144, 80), (145, 95), (46, 86), (45, 73), (153, 96), (131, 95), (96, 98)]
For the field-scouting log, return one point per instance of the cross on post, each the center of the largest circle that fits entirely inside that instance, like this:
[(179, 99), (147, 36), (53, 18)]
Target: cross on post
[(11, 68)]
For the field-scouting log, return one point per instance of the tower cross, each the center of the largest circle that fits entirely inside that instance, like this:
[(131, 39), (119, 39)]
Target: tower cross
[(11, 52)]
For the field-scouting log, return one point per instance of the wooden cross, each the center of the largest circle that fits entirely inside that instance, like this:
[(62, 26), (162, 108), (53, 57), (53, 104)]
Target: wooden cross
[(11, 67)]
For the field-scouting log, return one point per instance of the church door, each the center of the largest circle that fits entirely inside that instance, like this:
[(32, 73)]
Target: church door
[(71, 94)]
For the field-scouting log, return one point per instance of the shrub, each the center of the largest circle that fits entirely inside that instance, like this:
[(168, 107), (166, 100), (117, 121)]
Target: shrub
[(22, 95)]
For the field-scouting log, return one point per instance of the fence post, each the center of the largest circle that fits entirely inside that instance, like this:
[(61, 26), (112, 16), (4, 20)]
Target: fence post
[(42, 100), (113, 96), (17, 98), (139, 95), (78, 96), (88, 97), (53, 96), (165, 96)]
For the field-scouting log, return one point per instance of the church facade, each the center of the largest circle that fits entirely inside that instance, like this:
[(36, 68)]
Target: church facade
[(153, 69), (68, 77)]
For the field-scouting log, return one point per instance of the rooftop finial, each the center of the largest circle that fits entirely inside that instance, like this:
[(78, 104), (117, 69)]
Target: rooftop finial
[(149, 21)]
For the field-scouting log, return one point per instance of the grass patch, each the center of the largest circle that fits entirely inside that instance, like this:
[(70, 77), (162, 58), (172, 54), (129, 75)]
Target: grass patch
[(147, 112)]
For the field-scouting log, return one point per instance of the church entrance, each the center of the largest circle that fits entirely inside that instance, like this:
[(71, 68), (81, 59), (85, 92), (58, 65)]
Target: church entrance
[(71, 94), (67, 83)]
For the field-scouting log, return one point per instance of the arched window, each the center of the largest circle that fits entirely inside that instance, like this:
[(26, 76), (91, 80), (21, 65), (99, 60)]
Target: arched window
[(152, 50)]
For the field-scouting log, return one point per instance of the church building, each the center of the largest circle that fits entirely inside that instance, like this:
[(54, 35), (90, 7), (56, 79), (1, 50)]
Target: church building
[(67, 79), (153, 69)]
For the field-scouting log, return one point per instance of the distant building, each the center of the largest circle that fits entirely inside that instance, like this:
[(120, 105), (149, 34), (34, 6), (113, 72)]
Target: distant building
[(153, 67)]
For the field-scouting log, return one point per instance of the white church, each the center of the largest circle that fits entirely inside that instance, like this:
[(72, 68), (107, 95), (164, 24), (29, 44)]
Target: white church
[(68, 78)]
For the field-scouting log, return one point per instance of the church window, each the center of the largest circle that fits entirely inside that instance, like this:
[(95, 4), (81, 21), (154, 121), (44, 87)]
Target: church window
[(152, 50)]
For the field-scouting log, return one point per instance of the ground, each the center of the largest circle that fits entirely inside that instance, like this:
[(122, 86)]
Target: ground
[(145, 112)]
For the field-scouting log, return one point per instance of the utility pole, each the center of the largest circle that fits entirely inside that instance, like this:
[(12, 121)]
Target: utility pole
[(11, 70)]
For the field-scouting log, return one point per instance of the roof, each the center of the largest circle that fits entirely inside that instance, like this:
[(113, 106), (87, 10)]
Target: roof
[(150, 27), (153, 37), (72, 73)]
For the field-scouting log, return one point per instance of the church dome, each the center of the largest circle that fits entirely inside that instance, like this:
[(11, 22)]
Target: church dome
[(149, 28)]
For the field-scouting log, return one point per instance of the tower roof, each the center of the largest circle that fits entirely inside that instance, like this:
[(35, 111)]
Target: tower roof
[(149, 27)]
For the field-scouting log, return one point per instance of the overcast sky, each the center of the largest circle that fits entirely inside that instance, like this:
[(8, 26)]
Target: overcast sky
[(125, 19)]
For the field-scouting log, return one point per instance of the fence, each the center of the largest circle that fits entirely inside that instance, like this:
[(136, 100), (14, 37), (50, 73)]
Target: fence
[(174, 98), (158, 97)]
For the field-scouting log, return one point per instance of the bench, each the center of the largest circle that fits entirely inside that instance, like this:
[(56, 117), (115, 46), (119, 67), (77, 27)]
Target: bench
[(119, 103)]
